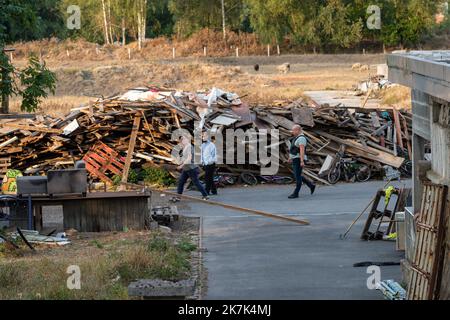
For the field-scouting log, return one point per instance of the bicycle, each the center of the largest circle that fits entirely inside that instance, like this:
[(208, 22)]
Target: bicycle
[(222, 180), (252, 180), (348, 169)]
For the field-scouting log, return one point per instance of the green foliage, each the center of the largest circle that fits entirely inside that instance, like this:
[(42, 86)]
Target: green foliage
[(307, 22), (318, 23), (133, 176), (186, 245), (159, 176), (158, 243), (37, 80), (193, 15), (30, 20)]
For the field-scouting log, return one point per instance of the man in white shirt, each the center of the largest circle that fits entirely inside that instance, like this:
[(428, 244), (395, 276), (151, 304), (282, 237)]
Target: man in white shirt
[(297, 156), (209, 159)]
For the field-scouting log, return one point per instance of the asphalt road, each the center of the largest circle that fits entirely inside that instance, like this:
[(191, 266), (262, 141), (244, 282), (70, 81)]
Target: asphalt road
[(254, 257)]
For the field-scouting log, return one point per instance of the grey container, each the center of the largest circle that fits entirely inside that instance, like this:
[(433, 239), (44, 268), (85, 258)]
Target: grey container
[(31, 185)]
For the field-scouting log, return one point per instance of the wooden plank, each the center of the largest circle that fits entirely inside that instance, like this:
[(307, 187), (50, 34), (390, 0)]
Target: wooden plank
[(134, 131), (31, 128), (236, 208), (427, 265), (398, 129), (8, 142)]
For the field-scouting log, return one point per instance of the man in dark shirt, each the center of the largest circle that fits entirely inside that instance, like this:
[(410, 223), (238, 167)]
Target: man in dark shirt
[(297, 156)]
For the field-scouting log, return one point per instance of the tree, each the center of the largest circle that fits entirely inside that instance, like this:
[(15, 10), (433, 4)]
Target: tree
[(32, 83), (308, 22), (193, 15)]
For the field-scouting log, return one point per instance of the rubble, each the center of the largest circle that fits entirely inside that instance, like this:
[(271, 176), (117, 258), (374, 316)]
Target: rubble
[(374, 137)]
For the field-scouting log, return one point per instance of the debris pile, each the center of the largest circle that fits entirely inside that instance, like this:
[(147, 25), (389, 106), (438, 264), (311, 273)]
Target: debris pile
[(144, 119)]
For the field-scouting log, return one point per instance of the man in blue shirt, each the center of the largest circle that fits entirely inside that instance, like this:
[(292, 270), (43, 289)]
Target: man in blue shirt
[(297, 156), (209, 159)]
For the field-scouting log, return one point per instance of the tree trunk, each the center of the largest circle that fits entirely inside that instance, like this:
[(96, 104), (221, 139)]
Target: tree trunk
[(124, 41), (223, 22), (111, 38), (139, 30), (5, 102), (144, 20), (105, 22)]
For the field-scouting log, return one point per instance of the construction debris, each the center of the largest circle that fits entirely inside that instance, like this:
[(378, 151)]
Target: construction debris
[(391, 290), (106, 130), (32, 236)]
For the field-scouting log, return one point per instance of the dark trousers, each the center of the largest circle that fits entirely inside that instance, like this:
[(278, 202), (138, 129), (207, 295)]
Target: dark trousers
[(298, 176), (210, 186), (193, 174)]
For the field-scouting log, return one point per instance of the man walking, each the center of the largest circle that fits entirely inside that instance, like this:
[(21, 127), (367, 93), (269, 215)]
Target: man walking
[(189, 169), (297, 155), (209, 159)]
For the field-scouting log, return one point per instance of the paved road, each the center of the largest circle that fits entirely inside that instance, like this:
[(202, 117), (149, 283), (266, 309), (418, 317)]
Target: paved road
[(253, 257)]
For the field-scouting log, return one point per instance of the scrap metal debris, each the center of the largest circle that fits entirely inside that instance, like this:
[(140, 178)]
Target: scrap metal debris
[(32, 236)]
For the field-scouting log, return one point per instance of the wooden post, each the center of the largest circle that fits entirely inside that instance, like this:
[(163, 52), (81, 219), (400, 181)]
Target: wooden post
[(268, 50), (173, 53), (129, 53), (204, 51), (134, 132), (237, 52), (67, 53), (398, 129), (278, 49)]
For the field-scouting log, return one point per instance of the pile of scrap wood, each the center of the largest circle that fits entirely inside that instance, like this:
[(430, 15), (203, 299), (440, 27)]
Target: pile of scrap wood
[(140, 123)]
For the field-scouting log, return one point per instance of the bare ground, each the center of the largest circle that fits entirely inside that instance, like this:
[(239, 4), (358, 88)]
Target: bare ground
[(83, 81)]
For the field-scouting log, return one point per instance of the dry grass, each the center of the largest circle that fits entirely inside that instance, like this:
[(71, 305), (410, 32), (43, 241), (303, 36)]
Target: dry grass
[(108, 263), (80, 79), (397, 96), (81, 85), (55, 106)]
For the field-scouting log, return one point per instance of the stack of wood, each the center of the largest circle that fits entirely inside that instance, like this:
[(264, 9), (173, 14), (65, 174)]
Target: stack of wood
[(372, 136)]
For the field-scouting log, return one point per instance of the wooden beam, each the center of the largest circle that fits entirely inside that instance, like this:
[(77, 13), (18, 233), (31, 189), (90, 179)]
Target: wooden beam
[(236, 208), (31, 128), (398, 129), (9, 141), (134, 131)]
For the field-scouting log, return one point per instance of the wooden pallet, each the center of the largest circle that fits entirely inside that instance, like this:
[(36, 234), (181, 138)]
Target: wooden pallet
[(5, 163), (101, 159), (423, 283)]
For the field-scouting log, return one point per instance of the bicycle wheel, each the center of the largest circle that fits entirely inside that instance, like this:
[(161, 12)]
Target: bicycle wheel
[(335, 174), (283, 180), (406, 168), (229, 180), (364, 173), (249, 179)]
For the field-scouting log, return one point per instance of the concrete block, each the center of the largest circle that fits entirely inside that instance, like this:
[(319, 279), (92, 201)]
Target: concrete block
[(447, 74), (161, 289)]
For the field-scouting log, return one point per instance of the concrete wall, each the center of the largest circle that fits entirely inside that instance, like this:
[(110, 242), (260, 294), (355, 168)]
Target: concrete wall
[(428, 74)]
